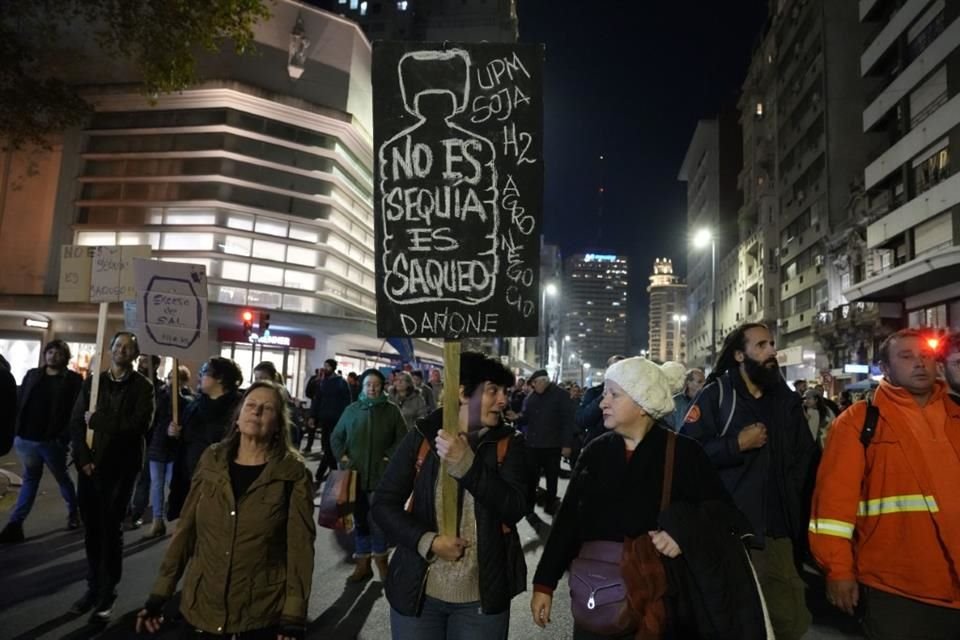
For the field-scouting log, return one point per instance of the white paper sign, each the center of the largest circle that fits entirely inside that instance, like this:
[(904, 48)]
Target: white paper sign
[(172, 309), (111, 279)]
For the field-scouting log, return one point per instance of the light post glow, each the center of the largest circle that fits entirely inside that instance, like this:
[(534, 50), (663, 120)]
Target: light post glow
[(701, 240)]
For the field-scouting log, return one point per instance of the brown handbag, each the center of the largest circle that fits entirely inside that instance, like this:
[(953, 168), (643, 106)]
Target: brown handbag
[(338, 500), (617, 588)]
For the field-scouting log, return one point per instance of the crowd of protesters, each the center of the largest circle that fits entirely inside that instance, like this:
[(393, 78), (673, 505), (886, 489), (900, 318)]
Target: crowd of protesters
[(693, 499)]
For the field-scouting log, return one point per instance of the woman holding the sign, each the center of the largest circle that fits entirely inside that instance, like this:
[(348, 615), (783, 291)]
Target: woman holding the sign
[(246, 533), (457, 586)]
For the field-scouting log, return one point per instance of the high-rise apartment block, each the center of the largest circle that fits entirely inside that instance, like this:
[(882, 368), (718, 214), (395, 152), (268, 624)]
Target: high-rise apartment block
[(595, 297)]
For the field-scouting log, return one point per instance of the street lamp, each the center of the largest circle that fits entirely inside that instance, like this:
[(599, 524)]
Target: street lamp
[(563, 343), (549, 289), (703, 238), (679, 319)]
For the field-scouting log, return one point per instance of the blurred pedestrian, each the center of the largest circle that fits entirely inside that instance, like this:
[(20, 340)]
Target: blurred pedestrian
[(405, 395), (163, 449), (424, 390), (107, 470), (549, 427), (147, 366), (330, 400), (364, 439), (206, 421), (692, 383), (8, 407), (42, 418), (457, 586), (244, 544)]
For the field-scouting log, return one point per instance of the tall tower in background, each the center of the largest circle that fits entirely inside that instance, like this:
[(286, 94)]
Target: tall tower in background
[(595, 294), (668, 313)]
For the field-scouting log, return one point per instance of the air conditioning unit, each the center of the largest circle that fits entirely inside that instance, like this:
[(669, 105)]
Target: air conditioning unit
[(818, 261)]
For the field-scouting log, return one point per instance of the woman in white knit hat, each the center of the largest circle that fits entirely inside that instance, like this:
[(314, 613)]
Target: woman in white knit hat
[(607, 532)]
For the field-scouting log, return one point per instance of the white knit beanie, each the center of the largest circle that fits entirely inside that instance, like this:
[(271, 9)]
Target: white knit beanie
[(648, 384), (676, 375)]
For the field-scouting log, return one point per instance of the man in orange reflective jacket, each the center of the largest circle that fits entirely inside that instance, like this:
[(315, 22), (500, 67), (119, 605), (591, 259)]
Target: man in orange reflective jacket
[(885, 523)]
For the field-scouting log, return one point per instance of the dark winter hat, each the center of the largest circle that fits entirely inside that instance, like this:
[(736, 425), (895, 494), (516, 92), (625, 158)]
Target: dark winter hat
[(539, 373), (373, 372)]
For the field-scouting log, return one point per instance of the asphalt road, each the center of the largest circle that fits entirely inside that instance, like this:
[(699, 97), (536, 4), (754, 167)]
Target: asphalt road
[(44, 575)]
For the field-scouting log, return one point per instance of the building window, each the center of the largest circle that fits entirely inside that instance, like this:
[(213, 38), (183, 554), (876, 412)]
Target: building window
[(269, 250), (187, 242), (758, 110), (932, 170), (271, 276), (300, 280), (402, 5), (230, 270), (271, 227), (363, 8), (236, 245), (268, 299)]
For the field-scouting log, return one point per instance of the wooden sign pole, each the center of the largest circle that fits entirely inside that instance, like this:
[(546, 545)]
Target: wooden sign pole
[(451, 424), (175, 390), (98, 365)]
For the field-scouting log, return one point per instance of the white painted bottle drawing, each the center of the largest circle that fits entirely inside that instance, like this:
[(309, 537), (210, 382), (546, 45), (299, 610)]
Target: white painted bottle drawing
[(439, 190)]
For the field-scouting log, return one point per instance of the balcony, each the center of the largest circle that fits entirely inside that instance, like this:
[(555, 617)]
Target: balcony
[(810, 276), (889, 34)]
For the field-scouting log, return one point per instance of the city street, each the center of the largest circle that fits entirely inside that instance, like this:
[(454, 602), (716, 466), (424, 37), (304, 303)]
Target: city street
[(44, 575)]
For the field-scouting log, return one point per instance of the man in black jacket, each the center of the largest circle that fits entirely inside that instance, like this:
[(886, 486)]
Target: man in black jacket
[(474, 573), (753, 428), (46, 399), (108, 469), (330, 399), (549, 428)]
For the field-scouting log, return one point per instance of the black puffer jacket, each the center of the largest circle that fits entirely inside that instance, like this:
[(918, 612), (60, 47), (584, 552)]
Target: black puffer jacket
[(206, 421), (58, 426), (500, 499)]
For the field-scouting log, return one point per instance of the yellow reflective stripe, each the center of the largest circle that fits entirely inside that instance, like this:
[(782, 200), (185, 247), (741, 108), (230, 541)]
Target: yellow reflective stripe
[(827, 527), (898, 504)]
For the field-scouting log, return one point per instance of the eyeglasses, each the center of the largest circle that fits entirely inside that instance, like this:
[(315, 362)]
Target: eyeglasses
[(204, 370)]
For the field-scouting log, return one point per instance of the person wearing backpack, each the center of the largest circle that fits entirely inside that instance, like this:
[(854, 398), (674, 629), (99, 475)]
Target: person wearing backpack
[(885, 521), (752, 426), (457, 586)]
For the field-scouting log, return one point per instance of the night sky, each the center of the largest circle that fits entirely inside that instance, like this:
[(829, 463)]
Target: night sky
[(628, 79)]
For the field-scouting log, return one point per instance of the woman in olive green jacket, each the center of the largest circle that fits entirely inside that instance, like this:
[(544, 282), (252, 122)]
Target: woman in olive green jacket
[(365, 437), (246, 532)]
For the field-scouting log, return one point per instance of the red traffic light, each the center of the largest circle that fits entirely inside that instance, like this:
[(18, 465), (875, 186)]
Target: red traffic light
[(933, 343), (248, 316)]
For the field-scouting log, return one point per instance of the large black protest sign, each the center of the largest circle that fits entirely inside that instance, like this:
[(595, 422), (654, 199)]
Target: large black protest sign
[(459, 188)]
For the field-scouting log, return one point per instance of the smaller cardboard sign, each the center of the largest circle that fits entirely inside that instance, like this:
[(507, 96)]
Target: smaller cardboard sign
[(111, 277), (172, 309), (75, 265)]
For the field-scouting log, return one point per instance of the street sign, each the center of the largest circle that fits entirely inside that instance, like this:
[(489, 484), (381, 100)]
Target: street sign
[(172, 309), (458, 135)]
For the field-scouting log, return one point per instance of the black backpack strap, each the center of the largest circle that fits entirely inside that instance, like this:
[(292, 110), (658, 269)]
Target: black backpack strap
[(869, 424)]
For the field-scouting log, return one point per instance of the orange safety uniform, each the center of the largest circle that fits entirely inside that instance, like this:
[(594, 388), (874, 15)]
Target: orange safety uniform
[(888, 515)]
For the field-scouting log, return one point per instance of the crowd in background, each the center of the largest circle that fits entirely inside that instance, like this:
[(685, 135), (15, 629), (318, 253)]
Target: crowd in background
[(768, 475)]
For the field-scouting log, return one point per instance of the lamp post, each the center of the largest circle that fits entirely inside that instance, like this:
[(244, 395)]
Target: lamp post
[(549, 289), (679, 319), (563, 343), (703, 238), (584, 371)]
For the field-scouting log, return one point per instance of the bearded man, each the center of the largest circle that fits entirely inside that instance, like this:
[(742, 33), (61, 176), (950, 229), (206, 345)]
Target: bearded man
[(753, 428)]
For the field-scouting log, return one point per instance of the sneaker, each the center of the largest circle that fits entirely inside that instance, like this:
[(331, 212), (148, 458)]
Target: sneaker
[(12, 533), (104, 609), (131, 523), (73, 521), (84, 604)]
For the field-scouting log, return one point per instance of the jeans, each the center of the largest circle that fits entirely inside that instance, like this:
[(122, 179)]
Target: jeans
[(161, 473), (446, 621), (103, 499), (367, 536), (33, 455)]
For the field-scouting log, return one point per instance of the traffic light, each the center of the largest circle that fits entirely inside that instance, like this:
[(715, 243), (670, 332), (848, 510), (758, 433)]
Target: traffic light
[(247, 323), (264, 323)]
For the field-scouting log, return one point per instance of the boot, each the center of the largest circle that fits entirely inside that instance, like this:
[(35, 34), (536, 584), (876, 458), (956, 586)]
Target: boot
[(382, 566), (157, 530), (361, 571)]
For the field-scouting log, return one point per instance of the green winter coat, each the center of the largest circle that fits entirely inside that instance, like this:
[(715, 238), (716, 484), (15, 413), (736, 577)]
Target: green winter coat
[(249, 563), (365, 437)]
